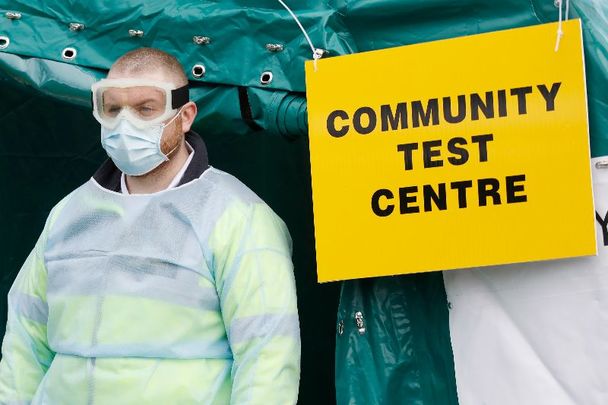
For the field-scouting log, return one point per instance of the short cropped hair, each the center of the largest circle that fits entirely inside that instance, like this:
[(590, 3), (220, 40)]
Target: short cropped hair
[(150, 59)]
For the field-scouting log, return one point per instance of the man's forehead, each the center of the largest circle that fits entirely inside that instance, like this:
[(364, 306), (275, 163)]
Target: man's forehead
[(156, 75)]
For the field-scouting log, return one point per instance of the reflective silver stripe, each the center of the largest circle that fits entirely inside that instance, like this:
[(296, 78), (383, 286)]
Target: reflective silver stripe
[(200, 298), (30, 307), (268, 325), (200, 349), (185, 292), (176, 285)]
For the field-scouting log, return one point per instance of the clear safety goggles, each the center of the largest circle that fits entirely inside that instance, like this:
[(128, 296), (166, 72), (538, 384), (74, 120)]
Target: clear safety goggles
[(143, 102)]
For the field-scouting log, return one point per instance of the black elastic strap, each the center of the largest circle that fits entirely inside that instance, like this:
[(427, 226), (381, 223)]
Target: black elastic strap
[(179, 97)]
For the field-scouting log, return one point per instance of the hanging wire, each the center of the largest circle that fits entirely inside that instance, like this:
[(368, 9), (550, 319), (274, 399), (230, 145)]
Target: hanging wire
[(560, 33), (316, 53)]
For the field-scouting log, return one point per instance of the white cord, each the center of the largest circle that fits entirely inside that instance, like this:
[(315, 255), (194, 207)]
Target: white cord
[(316, 53), (560, 33)]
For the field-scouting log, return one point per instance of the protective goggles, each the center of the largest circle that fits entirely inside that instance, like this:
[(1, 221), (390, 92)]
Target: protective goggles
[(143, 102)]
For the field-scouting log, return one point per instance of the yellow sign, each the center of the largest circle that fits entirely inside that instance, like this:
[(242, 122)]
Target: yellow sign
[(465, 152)]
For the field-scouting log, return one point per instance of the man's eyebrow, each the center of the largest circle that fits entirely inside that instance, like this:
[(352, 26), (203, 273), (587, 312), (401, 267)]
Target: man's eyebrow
[(146, 100), (137, 102)]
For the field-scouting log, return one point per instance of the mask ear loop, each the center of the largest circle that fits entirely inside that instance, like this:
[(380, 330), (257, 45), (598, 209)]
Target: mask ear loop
[(163, 130), (316, 53), (174, 117)]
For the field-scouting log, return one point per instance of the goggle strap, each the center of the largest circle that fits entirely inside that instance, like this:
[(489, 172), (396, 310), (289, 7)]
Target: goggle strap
[(179, 97)]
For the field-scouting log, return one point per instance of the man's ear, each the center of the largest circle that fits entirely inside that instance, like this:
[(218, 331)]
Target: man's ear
[(189, 111)]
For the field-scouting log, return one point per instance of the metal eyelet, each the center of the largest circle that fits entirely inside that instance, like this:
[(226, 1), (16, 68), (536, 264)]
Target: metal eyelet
[(319, 53), (13, 15), (266, 78), (136, 33), (359, 322), (4, 42), (274, 47), (75, 27), (201, 40), (69, 53), (198, 71), (602, 164)]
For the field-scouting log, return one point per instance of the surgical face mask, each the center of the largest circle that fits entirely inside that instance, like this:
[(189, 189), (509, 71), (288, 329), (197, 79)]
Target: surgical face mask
[(135, 151)]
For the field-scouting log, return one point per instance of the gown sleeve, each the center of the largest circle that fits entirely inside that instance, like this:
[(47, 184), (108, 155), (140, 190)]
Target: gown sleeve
[(255, 283), (26, 355)]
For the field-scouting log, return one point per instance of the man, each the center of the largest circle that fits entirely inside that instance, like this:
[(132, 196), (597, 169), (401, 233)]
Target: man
[(161, 280)]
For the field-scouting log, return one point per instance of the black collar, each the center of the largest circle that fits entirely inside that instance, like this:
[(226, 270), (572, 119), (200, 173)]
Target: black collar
[(108, 175)]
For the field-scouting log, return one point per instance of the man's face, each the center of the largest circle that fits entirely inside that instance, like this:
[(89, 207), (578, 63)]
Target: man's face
[(146, 103)]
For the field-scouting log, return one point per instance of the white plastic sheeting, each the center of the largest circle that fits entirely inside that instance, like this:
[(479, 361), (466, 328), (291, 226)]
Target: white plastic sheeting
[(534, 333)]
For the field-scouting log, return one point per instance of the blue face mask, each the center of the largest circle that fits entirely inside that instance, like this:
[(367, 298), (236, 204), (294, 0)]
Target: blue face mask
[(134, 151)]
